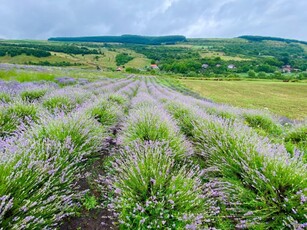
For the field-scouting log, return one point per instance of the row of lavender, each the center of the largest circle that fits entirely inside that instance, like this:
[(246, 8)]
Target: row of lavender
[(47, 133), (256, 184), (152, 182)]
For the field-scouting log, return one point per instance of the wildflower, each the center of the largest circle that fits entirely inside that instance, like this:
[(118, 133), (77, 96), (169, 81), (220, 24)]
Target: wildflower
[(249, 213), (191, 226), (142, 221)]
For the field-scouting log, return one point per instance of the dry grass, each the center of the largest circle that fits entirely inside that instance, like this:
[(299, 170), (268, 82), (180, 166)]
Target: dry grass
[(286, 99)]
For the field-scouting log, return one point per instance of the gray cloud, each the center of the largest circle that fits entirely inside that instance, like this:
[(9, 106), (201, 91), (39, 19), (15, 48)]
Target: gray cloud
[(40, 19)]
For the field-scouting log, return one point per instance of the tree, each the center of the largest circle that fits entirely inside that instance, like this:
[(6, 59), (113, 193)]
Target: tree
[(262, 75), (251, 73), (266, 68), (277, 74)]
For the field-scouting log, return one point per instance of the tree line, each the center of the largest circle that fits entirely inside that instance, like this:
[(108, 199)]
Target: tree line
[(62, 48), (126, 39), (15, 51)]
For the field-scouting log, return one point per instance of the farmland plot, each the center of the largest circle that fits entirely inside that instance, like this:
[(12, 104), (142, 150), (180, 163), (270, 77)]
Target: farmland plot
[(179, 162)]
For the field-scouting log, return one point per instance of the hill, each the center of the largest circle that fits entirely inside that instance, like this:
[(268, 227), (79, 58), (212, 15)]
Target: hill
[(126, 39), (261, 38), (246, 56)]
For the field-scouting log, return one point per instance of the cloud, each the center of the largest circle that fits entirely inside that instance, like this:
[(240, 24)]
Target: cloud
[(40, 19)]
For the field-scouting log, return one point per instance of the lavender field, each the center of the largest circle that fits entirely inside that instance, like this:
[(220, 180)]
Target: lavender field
[(154, 156)]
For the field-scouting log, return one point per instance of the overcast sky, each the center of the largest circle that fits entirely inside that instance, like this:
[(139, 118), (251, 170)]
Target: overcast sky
[(41, 19)]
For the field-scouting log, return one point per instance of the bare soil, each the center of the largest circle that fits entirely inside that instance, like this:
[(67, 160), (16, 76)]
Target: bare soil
[(98, 218)]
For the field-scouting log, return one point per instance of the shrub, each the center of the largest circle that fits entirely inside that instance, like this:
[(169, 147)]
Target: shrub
[(118, 99), (297, 135), (262, 122), (153, 192), (105, 112), (34, 192), (37, 188), (273, 181), (297, 139), (154, 124), (82, 132), (220, 112), (5, 97), (65, 100), (32, 95), (58, 103), (184, 118), (267, 186), (15, 114), (89, 202)]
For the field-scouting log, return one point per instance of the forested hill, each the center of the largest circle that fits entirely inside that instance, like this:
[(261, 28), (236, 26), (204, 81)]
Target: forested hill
[(126, 39), (261, 38)]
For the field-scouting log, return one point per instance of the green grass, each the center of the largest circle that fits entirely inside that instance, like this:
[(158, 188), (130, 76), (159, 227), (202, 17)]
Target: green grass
[(89, 202), (50, 74), (282, 98), (25, 76)]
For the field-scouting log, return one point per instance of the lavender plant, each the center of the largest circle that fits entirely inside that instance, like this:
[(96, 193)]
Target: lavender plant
[(83, 132), (276, 183), (105, 111), (246, 181), (14, 114), (263, 123), (296, 139), (118, 99), (270, 185), (151, 191), (154, 124), (5, 97), (65, 99), (37, 193), (38, 179), (32, 95)]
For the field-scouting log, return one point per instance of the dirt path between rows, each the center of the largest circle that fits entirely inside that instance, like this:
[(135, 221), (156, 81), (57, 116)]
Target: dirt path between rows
[(98, 218)]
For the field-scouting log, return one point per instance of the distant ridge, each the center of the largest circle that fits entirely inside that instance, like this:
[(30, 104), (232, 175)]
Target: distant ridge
[(131, 39), (262, 38)]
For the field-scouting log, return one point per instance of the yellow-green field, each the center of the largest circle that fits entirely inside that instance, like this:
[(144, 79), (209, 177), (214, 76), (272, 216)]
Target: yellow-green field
[(211, 54), (283, 98), (205, 53)]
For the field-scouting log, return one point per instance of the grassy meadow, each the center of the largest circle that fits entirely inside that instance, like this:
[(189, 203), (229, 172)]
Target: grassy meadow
[(283, 98)]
